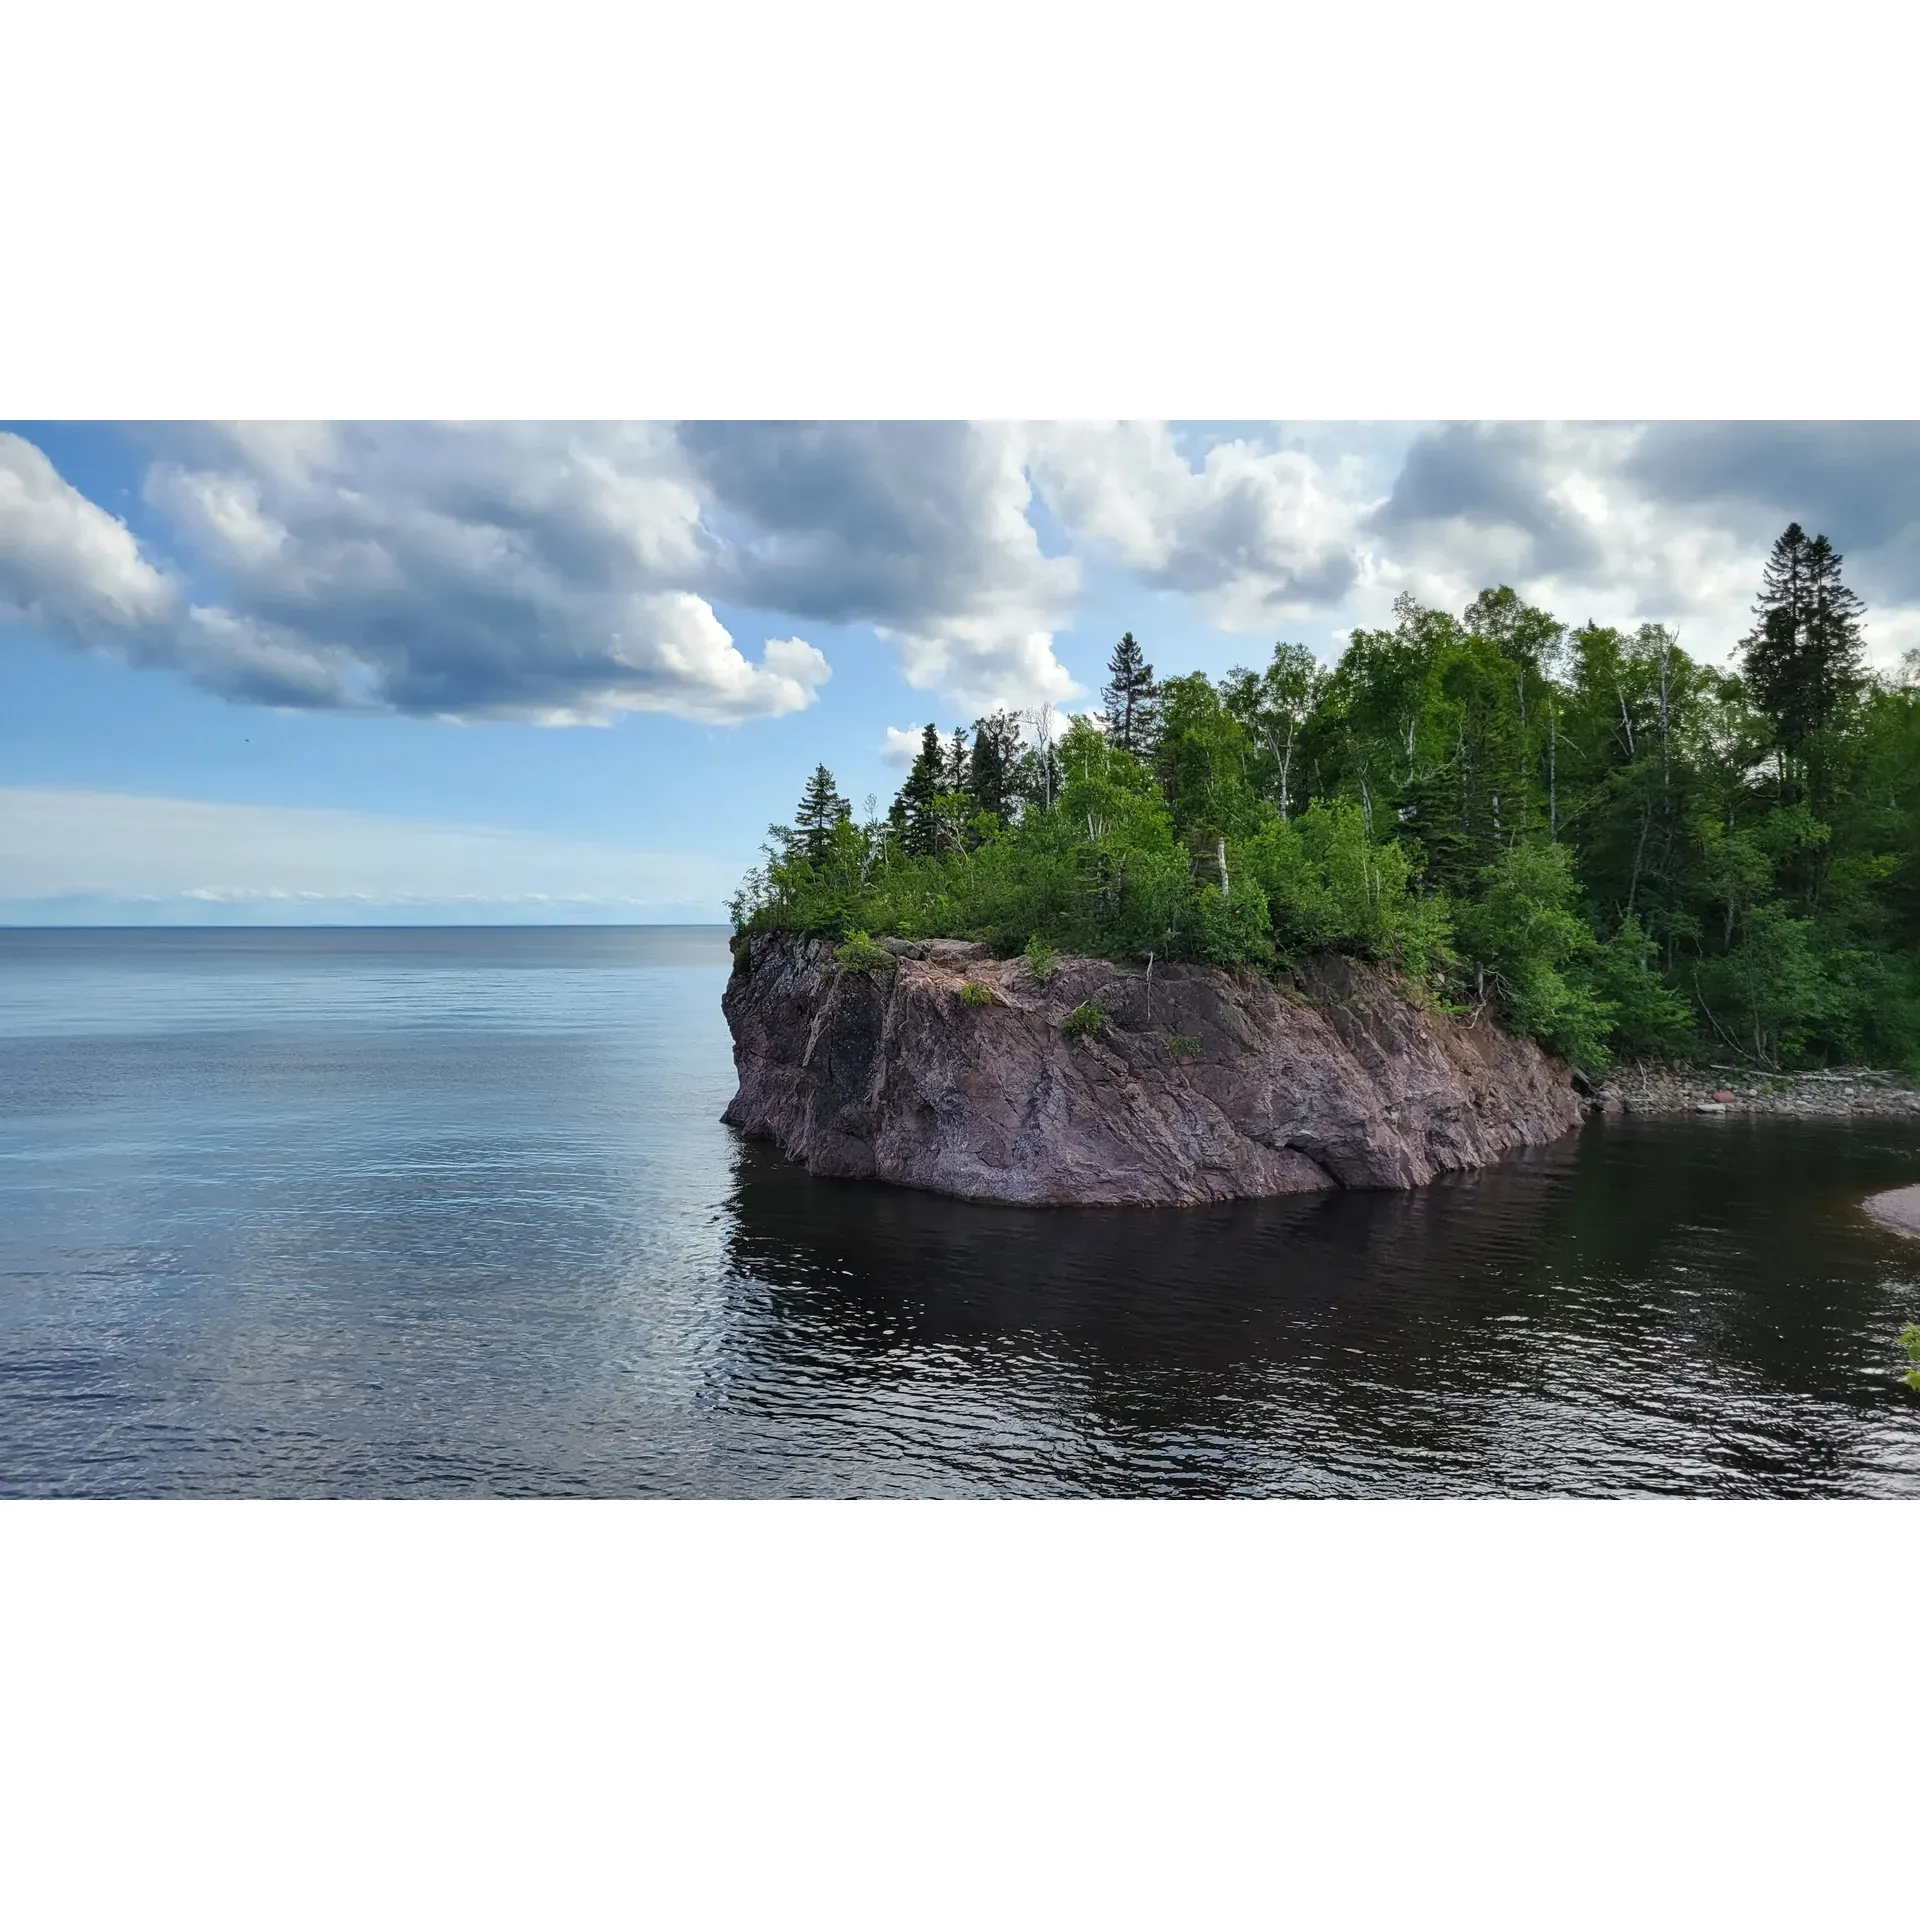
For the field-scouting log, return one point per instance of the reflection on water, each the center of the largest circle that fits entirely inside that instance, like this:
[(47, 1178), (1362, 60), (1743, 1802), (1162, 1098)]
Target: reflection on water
[(404, 1213)]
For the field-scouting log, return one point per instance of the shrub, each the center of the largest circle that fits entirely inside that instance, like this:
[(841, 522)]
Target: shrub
[(1087, 1021), (976, 993), (1183, 1046), (864, 954), (1041, 959)]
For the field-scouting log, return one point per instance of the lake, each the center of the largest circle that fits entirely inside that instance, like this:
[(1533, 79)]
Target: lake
[(451, 1212)]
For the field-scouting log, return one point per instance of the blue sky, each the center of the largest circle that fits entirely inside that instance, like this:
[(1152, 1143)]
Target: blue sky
[(542, 672)]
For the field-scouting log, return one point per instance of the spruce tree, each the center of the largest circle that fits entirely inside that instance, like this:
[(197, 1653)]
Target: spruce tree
[(953, 774), (821, 810), (1804, 658), (991, 766), (1132, 700), (920, 795)]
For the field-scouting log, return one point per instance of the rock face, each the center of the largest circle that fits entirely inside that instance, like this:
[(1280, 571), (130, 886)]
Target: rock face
[(1208, 1084)]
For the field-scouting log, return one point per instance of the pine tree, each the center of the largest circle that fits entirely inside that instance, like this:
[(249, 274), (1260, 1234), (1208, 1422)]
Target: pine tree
[(920, 796), (1804, 658), (1132, 700), (821, 810)]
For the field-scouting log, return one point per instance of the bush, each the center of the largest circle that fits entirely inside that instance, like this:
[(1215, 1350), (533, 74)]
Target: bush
[(864, 954), (1536, 952), (1648, 1016), (1183, 1046), (1771, 991), (1088, 1021), (1910, 1340), (1041, 959), (1225, 930), (976, 993)]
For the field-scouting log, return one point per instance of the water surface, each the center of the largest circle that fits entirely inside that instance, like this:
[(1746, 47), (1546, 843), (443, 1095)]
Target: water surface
[(451, 1212)]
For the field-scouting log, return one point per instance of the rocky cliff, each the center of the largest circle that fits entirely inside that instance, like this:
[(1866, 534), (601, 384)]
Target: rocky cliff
[(1204, 1084)]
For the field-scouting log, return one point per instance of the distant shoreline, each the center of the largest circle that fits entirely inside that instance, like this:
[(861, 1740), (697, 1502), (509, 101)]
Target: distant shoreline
[(1833, 1092)]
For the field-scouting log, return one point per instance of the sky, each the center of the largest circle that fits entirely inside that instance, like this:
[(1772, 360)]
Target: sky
[(476, 673)]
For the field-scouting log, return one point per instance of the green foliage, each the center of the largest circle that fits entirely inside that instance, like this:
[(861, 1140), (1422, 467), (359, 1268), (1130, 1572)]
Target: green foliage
[(976, 993), (1130, 699), (1909, 1338), (821, 810), (1183, 1046), (1531, 946), (1650, 1019), (1804, 657), (1770, 989), (1584, 831), (864, 954), (1087, 1021)]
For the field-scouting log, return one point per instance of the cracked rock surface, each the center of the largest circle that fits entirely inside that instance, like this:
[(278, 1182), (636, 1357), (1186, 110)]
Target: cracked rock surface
[(1204, 1084)]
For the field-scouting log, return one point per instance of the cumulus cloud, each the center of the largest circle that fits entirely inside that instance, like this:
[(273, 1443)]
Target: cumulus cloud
[(1560, 512), (518, 572), (64, 562), (1255, 535), (901, 745), (567, 574), (1857, 481), (564, 574), (918, 529)]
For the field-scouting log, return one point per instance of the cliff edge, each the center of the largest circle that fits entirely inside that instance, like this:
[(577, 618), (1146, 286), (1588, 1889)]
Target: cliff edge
[(1205, 1084)]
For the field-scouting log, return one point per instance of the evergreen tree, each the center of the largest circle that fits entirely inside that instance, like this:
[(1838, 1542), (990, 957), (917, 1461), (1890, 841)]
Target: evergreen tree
[(1132, 700), (1804, 658), (821, 810), (953, 771), (920, 796), (991, 765)]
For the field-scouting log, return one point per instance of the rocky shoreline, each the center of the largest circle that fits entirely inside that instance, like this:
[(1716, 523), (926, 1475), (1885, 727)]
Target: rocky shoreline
[(933, 1064), (1841, 1093)]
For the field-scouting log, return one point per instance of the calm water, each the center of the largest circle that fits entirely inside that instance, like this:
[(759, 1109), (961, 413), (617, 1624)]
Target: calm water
[(451, 1212)]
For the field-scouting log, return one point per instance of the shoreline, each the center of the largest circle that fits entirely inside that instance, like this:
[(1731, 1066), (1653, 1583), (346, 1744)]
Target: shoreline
[(1898, 1208), (1832, 1093)]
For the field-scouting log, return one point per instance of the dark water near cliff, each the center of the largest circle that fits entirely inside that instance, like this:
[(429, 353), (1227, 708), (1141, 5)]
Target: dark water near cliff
[(451, 1212)]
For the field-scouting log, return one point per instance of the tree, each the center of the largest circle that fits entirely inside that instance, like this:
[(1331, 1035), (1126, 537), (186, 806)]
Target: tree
[(1619, 847), (1132, 700), (920, 796), (821, 809), (1805, 659), (1273, 707), (1040, 764), (992, 765), (953, 773)]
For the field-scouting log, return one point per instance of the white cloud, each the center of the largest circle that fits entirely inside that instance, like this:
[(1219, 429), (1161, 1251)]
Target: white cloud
[(900, 746), (1578, 519), (514, 572), (1554, 511), (1256, 536), (918, 529), (980, 666), (569, 574), (65, 562), (58, 842)]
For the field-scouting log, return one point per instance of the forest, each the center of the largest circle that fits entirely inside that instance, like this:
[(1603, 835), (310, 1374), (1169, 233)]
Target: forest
[(1584, 831)]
